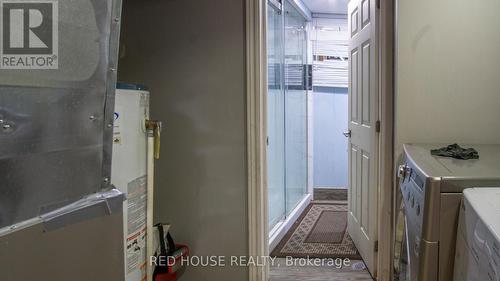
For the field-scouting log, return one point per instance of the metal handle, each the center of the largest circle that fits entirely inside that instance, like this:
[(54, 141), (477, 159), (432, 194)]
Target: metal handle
[(347, 133), (402, 171)]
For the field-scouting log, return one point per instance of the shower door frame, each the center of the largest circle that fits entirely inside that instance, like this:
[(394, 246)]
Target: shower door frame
[(292, 210), (272, 178)]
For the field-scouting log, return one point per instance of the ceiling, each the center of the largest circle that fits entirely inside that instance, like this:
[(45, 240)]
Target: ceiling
[(327, 6)]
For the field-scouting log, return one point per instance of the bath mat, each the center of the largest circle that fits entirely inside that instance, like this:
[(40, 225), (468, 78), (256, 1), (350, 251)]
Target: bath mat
[(320, 232), (329, 228)]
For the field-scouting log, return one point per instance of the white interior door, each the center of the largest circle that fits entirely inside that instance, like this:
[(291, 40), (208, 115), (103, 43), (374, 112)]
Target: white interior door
[(363, 118)]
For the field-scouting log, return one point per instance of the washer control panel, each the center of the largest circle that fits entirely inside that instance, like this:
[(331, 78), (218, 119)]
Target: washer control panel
[(412, 190)]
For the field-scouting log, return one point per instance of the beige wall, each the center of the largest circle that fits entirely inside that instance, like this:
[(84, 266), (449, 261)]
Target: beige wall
[(192, 56), (448, 71)]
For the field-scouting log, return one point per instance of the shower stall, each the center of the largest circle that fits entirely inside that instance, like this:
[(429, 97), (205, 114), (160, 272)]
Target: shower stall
[(287, 110)]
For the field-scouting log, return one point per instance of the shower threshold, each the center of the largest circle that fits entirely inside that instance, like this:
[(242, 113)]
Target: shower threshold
[(279, 231)]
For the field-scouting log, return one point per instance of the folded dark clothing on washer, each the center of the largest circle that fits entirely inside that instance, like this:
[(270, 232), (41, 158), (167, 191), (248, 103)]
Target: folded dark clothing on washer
[(456, 151)]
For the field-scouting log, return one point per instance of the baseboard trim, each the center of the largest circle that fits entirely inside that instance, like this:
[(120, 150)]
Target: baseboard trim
[(335, 194), (330, 187)]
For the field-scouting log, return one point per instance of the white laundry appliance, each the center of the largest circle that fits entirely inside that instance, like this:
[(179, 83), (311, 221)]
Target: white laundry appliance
[(129, 172), (477, 256)]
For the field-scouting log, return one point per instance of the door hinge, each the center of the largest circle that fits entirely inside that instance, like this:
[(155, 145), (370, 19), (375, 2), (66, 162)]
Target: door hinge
[(377, 126), (376, 246), (378, 4)]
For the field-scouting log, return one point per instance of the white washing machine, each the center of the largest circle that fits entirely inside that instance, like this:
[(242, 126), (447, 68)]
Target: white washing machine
[(430, 196), (477, 255)]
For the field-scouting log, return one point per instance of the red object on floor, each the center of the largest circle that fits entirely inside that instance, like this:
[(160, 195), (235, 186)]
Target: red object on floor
[(182, 251), (166, 277)]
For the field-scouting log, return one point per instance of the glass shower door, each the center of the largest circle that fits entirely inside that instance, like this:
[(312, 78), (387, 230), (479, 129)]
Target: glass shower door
[(276, 118), (287, 111), (295, 57)]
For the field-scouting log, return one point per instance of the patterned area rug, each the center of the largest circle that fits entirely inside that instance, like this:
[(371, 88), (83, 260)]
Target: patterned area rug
[(320, 232)]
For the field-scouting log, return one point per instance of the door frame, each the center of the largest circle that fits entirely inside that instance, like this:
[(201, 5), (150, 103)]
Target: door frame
[(256, 126)]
